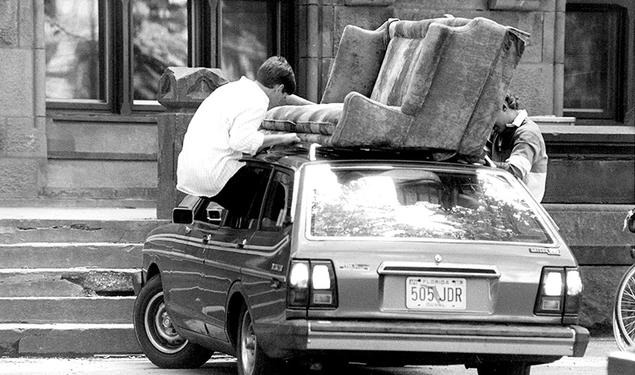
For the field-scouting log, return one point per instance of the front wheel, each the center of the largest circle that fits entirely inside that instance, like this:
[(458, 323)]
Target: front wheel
[(251, 359), (156, 334), (624, 311), (504, 369)]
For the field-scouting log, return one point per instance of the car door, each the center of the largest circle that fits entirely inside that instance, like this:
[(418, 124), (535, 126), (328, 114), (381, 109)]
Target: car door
[(225, 249), (263, 277), (180, 276)]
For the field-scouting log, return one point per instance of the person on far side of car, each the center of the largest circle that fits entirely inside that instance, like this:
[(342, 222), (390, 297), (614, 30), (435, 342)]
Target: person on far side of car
[(516, 145), (226, 125)]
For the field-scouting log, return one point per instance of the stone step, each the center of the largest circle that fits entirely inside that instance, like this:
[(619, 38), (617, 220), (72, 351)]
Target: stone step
[(67, 255), (112, 310), (67, 339), (15, 231), (66, 282)]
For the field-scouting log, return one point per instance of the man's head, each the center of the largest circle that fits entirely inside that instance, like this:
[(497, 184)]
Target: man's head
[(277, 80), (507, 113)]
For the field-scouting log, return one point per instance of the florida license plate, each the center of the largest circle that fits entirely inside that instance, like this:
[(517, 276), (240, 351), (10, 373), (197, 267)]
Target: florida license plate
[(435, 293)]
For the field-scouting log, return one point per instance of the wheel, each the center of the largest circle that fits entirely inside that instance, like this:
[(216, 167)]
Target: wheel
[(510, 368), (251, 359), (624, 311), (158, 339)]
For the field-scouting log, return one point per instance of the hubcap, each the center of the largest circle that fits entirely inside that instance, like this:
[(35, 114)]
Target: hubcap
[(159, 328), (248, 345)]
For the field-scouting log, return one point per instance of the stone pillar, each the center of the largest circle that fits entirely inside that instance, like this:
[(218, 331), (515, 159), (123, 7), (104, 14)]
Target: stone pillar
[(22, 99), (320, 26), (181, 91)]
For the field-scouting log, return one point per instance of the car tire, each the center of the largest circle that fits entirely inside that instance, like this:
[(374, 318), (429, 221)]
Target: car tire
[(504, 369), (251, 358), (158, 339)]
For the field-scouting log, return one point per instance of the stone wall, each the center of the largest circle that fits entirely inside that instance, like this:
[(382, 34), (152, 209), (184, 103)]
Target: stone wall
[(22, 103)]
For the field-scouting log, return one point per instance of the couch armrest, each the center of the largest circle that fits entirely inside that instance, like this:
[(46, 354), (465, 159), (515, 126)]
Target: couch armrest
[(368, 123)]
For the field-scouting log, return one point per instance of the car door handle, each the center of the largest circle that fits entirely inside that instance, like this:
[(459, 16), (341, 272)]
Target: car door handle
[(275, 283), (242, 244), (207, 238)]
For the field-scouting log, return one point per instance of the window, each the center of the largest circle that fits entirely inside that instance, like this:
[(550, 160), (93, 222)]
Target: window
[(109, 55), (276, 211), (75, 66), (242, 197), (594, 61), (415, 203)]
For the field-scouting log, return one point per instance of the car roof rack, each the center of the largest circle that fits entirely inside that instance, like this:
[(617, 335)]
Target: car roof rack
[(314, 151)]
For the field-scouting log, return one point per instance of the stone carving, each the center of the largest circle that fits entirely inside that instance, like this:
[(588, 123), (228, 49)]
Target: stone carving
[(8, 22), (186, 88)]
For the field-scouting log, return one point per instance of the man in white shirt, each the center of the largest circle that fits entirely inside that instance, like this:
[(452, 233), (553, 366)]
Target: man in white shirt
[(226, 125), (517, 145)]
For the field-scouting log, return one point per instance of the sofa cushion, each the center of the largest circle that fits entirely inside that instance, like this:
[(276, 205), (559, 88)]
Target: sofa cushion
[(314, 119)]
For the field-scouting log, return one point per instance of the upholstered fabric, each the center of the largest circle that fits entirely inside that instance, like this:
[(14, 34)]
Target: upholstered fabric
[(401, 62), (371, 124), (468, 58), (358, 60), (316, 119)]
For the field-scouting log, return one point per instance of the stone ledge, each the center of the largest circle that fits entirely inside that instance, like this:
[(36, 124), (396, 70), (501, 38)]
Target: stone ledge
[(67, 339)]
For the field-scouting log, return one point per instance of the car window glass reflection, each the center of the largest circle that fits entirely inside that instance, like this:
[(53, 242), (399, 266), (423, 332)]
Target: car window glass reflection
[(418, 203)]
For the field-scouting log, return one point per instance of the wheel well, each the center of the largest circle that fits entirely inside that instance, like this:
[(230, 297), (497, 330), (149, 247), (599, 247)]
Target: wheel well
[(233, 314), (152, 271)]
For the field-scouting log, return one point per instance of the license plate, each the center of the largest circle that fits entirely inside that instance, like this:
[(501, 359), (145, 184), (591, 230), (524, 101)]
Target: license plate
[(435, 293)]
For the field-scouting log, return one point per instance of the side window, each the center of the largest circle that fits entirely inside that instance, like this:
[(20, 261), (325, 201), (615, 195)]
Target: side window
[(277, 206), (242, 197)]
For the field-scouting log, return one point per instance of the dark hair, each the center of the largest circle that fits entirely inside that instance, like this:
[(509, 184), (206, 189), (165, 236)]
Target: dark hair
[(512, 101), (274, 71)]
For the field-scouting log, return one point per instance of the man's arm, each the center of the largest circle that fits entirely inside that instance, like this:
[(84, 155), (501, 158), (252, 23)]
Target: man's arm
[(276, 139), (296, 100)]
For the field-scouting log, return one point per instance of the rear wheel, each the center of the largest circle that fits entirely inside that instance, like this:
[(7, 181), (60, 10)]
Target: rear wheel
[(156, 334), (251, 359), (504, 369)]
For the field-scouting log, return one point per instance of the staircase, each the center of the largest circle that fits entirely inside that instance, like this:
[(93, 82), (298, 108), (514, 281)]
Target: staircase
[(65, 279)]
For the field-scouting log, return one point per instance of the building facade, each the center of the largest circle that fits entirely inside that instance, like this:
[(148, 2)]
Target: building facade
[(78, 83)]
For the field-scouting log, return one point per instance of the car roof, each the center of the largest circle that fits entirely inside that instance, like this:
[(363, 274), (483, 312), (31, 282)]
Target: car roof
[(294, 157)]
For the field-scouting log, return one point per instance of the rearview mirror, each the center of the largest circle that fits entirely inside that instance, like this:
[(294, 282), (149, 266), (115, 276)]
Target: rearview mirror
[(184, 212)]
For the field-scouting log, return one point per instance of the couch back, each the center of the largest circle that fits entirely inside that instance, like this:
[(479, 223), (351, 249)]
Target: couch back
[(401, 61)]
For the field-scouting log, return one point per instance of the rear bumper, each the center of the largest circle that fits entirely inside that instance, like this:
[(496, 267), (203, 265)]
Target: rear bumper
[(431, 337)]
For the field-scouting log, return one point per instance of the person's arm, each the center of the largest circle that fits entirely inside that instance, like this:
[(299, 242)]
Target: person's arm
[(243, 132), (297, 100), (277, 139), (521, 159)]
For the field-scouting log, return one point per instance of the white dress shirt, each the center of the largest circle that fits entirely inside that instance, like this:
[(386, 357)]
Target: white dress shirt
[(223, 128)]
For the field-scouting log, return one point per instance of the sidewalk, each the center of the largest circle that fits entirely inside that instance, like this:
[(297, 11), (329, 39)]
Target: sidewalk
[(77, 213)]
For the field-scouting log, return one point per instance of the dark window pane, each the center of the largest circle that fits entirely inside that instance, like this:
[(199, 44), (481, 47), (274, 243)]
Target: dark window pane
[(247, 36), (71, 33), (591, 68), (159, 37)]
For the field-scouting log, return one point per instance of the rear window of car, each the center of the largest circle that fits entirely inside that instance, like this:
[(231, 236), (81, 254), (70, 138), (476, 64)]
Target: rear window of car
[(418, 203)]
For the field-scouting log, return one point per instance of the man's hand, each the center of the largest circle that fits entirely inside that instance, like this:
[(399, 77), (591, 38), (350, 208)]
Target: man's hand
[(290, 138)]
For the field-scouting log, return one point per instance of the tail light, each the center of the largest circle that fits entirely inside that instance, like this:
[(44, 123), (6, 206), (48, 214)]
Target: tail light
[(312, 284), (559, 292)]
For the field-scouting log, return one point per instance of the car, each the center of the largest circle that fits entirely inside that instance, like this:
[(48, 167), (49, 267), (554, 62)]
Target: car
[(384, 259)]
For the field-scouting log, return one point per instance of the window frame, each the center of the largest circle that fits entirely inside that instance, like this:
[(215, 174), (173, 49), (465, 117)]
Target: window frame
[(105, 10), (268, 197), (613, 113), (204, 49)]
